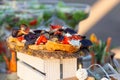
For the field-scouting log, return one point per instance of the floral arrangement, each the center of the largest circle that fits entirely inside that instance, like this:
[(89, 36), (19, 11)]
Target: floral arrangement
[(100, 48)]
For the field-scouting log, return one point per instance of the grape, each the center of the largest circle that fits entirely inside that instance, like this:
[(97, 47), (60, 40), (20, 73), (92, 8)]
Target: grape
[(86, 42), (30, 42), (83, 37), (37, 31), (30, 36), (62, 31), (70, 31), (60, 37), (15, 32)]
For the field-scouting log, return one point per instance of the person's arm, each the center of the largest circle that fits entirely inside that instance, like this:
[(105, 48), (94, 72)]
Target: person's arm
[(98, 10)]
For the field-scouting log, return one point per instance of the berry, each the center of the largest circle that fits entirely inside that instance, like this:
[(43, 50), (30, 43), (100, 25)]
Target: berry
[(30, 36), (86, 42), (15, 32), (70, 31)]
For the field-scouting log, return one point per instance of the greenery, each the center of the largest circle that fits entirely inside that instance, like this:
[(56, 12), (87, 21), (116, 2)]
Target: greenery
[(100, 48), (14, 21), (70, 14)]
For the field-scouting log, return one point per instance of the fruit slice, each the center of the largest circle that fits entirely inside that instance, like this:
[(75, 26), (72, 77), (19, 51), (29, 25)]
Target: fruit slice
[(20, 38), (65, 40), (53, 27), (41, 39)]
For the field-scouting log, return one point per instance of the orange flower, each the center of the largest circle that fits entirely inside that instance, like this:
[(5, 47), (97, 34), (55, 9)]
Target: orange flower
[(94, 39)]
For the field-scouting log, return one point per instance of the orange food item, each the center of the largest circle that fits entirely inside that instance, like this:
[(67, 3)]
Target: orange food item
[(41, 39), (55, 27), (54, 46), (13, 62), (20, 38), (65, 40)]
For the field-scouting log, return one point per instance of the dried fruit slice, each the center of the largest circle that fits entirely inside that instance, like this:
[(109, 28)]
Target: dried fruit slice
[(54, 46), (20, 38), (65, 40), (41, 39), (53, 27)]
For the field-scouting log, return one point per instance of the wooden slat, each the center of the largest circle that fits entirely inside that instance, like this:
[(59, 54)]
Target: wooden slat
[(69, 67), (27, 73), (49, 66), (31, 60), (52, 69)]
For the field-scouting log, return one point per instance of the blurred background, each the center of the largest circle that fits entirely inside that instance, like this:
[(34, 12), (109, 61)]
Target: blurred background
[(102, 18)]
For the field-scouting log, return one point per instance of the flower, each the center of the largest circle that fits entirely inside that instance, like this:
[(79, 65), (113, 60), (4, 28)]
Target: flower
[(100, 48)]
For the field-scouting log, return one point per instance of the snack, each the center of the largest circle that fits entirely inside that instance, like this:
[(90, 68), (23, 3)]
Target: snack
[(56, 39)]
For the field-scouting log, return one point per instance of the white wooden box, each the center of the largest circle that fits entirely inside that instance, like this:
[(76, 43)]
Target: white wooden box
[(35, 68)]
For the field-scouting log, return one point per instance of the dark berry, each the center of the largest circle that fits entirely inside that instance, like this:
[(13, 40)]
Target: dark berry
[(30, 36), (30, 42), (15, 32), (86, 42), (71, 31)]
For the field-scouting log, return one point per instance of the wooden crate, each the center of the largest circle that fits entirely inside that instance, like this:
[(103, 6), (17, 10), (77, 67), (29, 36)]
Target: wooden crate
[(35, 68)]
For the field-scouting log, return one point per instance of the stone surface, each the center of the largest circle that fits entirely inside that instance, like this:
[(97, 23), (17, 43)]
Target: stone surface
[(11, 76)]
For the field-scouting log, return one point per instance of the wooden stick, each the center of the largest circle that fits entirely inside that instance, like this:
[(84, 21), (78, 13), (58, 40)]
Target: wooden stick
[(13, 62), (108, 43)]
